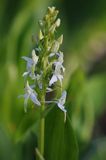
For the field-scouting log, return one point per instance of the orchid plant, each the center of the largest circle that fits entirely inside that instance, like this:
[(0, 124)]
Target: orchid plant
[(44, 70)]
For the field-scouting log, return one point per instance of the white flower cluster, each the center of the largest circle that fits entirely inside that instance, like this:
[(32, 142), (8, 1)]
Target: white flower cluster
[(45, 70)]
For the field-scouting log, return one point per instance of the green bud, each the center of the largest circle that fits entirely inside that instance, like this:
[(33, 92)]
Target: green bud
[(55, 47), (51, 9), (60, 39), (40, 35), (53, 27), (58, 22)]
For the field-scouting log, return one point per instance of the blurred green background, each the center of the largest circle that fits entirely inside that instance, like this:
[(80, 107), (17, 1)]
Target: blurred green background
[(84, 29)]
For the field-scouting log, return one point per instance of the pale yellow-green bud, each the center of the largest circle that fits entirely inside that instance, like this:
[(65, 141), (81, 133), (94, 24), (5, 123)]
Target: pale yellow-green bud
[(40, 35), (58, 22), (34, 57), (51, 9), (60, 39), (55, 47)]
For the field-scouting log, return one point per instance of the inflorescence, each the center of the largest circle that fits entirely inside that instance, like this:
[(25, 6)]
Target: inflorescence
[(45, 67)]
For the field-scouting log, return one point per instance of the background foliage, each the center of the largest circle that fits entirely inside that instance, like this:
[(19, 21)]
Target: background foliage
[(84, 28)]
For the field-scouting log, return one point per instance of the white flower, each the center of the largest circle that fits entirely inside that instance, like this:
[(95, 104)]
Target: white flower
[(57, 74), (30, 94), (31, 63), (61, 101)]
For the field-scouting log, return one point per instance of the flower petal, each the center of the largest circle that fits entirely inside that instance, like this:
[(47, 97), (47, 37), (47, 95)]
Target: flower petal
[(63, 98), (33, 97), (29, 60), (60, 77), (61, 107), (51, 54), (49, 90), (25, 74), (53, 79)]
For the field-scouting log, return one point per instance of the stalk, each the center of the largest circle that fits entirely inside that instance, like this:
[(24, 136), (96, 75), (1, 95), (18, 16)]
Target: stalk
[(41, 138), (42, 129)]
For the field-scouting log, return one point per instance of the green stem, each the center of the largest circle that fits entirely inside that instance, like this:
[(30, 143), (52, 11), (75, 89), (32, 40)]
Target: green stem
[(42, 129)]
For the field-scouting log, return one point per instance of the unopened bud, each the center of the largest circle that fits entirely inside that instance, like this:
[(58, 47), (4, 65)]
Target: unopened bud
[(34, 57), (60, 39), (51, 9), (58, 22), (40, 35), (55, 47)]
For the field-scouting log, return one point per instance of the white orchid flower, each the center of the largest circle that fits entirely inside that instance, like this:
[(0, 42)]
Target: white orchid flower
[(31, 63), (30, 94), (57, 74)]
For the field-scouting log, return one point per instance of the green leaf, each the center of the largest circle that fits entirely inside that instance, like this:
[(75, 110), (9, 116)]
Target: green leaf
[(28, 124), (60, 141)]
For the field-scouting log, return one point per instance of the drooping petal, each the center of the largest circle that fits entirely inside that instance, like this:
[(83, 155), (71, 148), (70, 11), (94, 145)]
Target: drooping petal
[(29, 60), (33, 97), (61, 101), (63, 98), (53, 79), (62, 107)]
